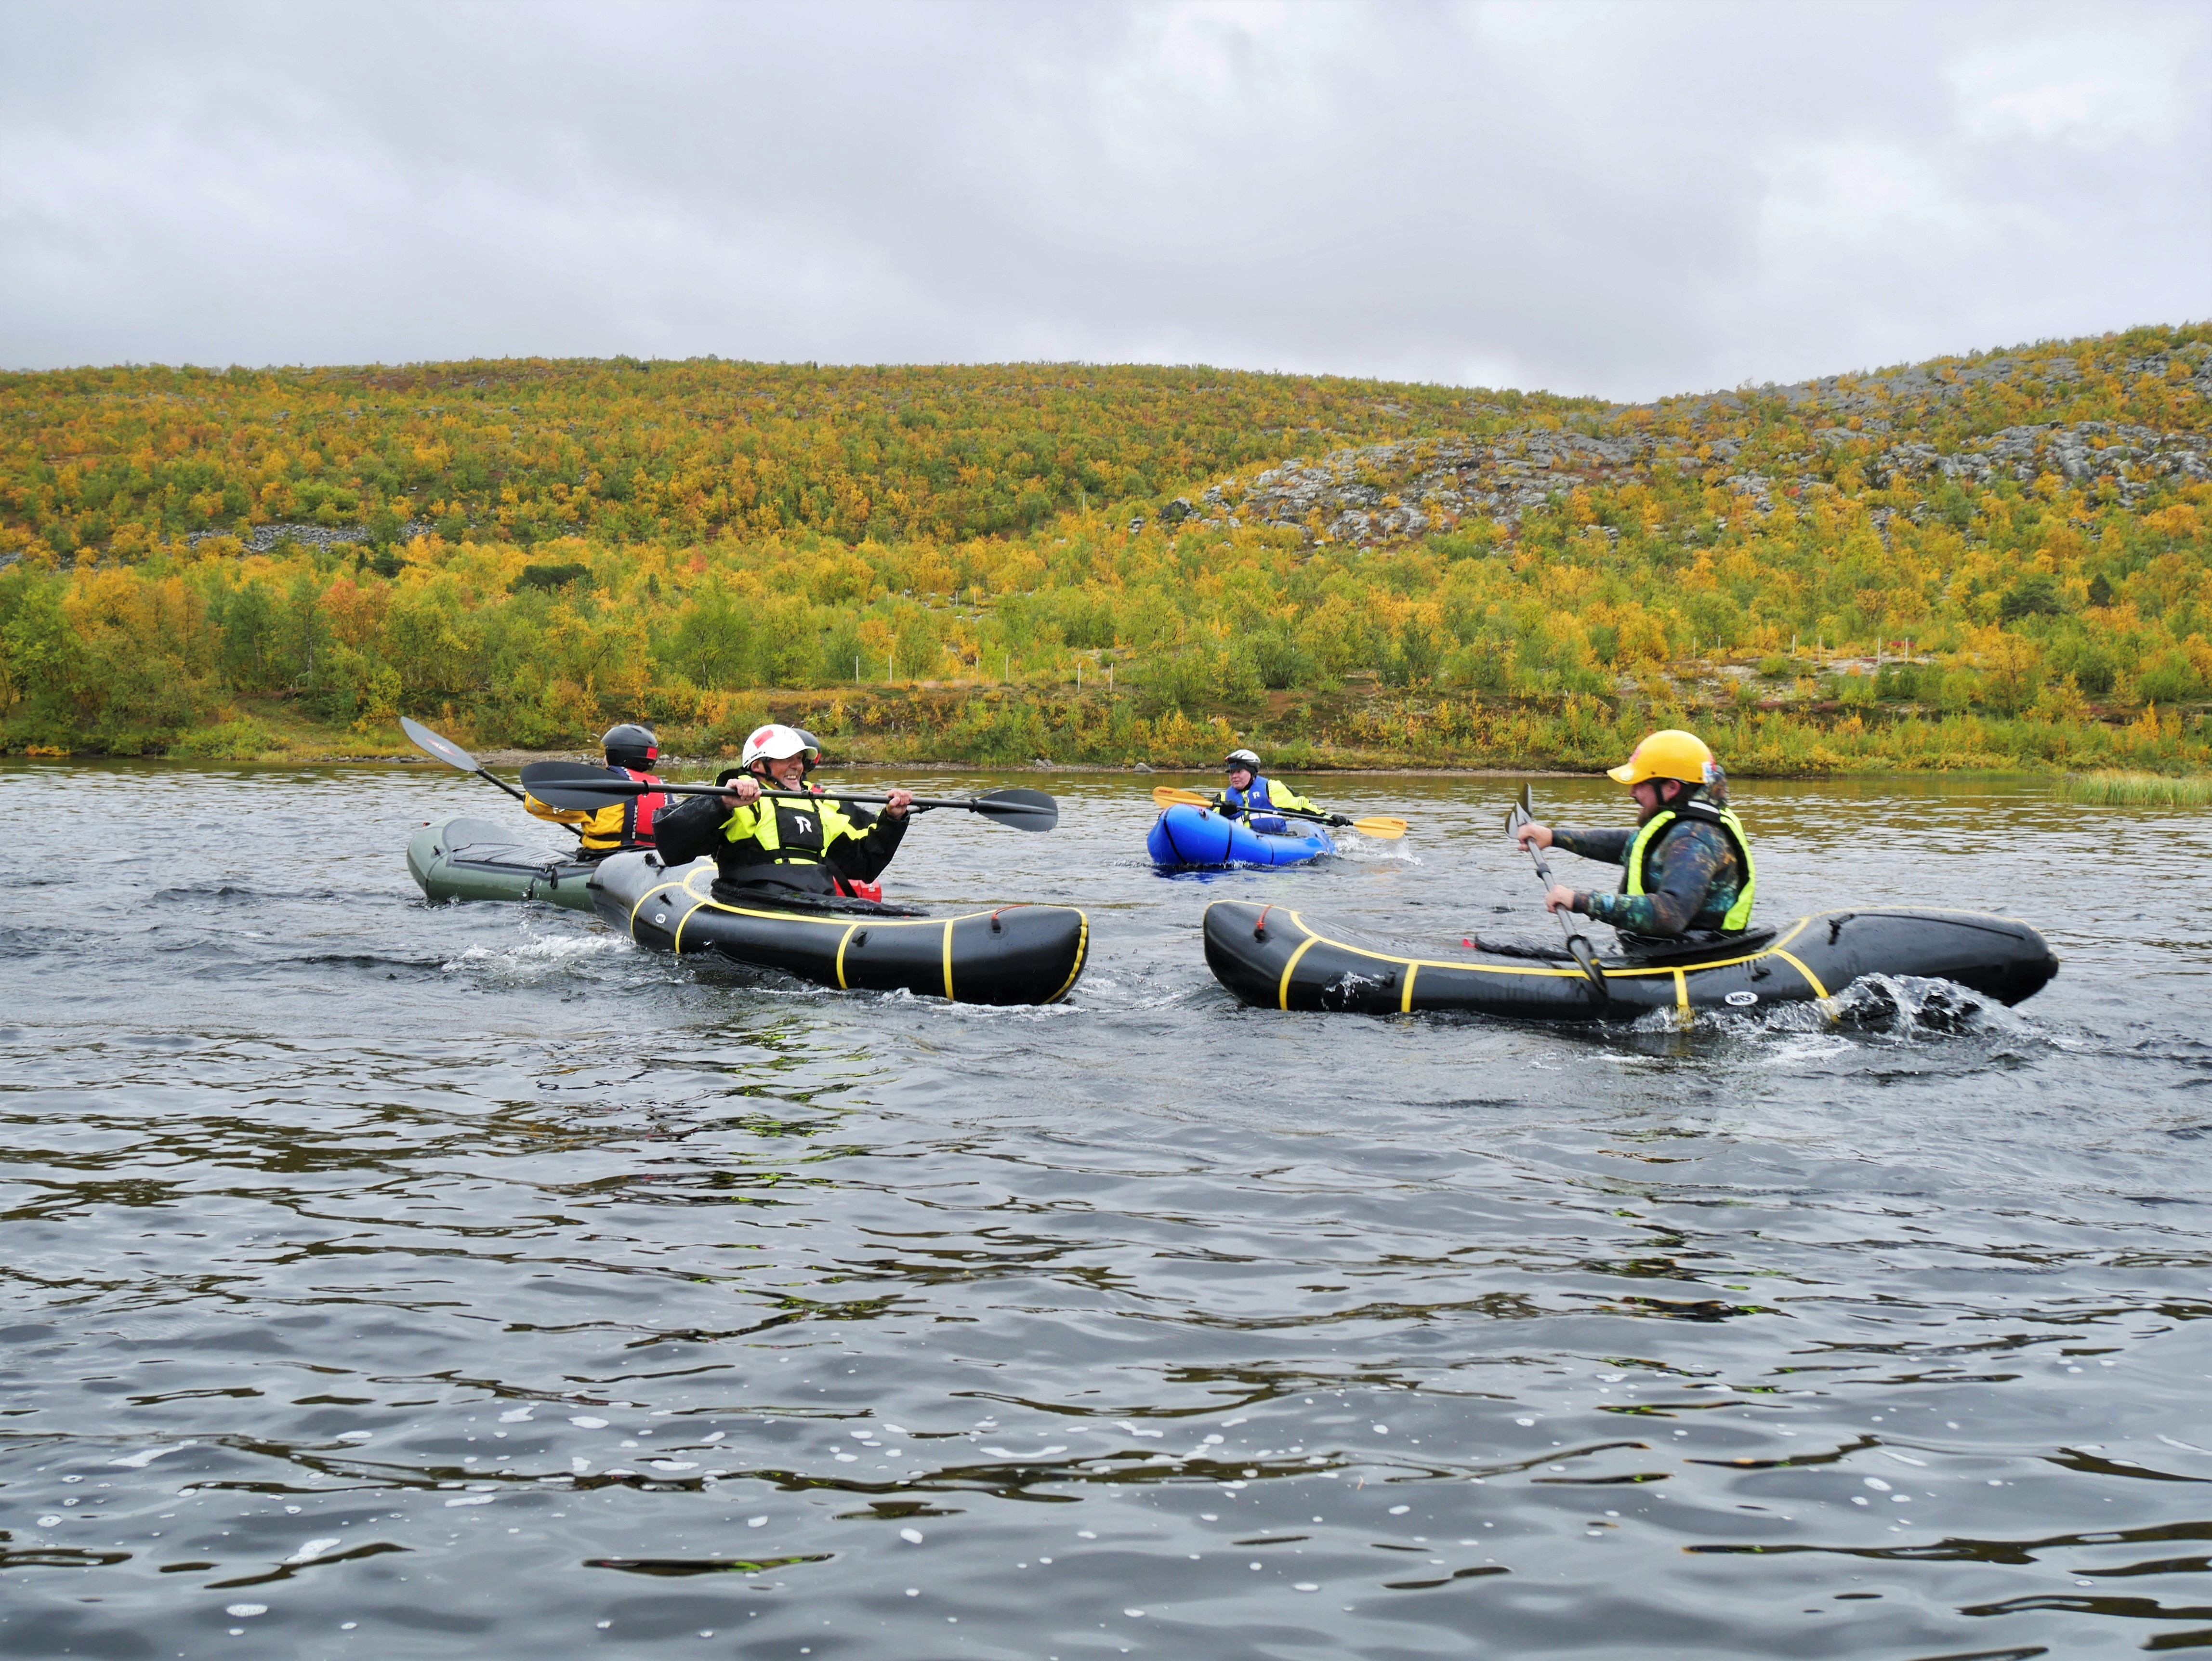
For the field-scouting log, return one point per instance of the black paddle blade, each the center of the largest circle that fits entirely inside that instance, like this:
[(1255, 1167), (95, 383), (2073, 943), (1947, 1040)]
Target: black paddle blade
[(438, 744), (577, 786), (1025, 810)]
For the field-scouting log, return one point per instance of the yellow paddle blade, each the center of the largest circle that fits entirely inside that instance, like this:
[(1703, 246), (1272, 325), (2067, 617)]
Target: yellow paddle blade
[(1166, 795), (1383, 829)]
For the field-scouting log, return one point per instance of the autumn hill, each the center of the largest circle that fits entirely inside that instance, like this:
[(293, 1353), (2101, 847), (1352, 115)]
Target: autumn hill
[(1996, 561)]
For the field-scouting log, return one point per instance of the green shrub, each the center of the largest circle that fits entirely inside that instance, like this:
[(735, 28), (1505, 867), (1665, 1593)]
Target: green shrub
[(242, 740), (550, 578), (2136, 789)]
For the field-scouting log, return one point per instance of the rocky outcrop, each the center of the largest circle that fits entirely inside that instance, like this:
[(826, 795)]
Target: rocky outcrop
[(1388, 492), (2132, 458), (1384, 493), (262, 538)]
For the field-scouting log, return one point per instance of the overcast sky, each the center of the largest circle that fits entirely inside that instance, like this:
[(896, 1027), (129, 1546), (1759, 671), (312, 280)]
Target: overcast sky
[(1625, 200)]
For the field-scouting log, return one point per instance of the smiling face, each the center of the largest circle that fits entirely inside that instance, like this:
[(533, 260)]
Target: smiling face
[(788, 774), (1240, 778)]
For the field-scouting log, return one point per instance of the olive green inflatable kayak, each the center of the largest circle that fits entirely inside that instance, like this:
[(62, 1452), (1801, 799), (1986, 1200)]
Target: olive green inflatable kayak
[(466, 859), (1011, 954)]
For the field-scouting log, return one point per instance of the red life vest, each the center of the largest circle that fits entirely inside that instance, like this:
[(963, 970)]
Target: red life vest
[(640, 810)]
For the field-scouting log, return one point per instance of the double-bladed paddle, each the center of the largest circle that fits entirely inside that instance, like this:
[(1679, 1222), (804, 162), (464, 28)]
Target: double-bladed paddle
[(577, 785), (1381, 827), (452, 755), (1577, 942)]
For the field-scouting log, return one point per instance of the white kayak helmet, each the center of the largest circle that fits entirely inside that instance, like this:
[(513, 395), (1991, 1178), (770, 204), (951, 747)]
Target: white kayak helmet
[(1243, 758), (776, 742)]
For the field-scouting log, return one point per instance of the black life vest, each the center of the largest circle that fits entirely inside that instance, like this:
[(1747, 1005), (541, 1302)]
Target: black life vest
[(797, 838)]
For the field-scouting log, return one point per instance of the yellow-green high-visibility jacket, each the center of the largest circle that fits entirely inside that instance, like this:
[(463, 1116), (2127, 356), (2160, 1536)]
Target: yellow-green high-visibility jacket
[(1638, 863), (813, 844)]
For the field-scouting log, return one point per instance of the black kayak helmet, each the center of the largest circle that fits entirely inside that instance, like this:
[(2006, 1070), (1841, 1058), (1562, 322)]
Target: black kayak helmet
[(630, 745)]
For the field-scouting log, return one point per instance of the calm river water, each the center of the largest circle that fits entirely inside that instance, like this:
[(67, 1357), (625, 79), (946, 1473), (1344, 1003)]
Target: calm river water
[(389, 1280)]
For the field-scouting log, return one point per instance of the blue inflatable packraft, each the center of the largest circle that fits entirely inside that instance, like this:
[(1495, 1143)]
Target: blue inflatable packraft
[(1186, 836)]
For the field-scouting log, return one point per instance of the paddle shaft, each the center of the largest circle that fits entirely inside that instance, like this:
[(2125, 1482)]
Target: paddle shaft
[(486, 773), (1388, 830), (1577, 943), (437, 744), (631, 788), (575, 831), (1286, 812)]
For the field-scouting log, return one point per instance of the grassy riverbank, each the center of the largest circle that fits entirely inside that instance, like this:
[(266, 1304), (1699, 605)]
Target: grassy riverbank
[(1358, 728), (2000, 562)]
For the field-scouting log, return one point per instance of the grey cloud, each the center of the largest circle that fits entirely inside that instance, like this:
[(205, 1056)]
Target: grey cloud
[(1624, 200)]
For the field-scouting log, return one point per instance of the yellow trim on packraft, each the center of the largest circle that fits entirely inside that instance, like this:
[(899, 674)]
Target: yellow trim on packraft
[(1680, 972), (1082, 953), (1811, 979), (676, 940), (1291, 968), (658, 887), (1574, 972), (707, 902)]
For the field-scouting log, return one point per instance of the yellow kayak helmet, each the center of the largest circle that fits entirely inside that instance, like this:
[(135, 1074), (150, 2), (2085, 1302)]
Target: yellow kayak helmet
[(1671, 754)]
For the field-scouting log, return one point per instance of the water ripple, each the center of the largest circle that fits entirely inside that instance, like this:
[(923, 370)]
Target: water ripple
[(459, 1280)]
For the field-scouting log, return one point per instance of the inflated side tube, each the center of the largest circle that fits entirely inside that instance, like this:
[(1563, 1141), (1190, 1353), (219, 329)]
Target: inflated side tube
[(472, 859), (1188, 838), (1013, 954), (1272, 957)]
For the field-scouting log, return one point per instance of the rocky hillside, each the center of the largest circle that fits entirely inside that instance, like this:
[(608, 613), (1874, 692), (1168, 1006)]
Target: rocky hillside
[(1993, 561), (1904, 425)]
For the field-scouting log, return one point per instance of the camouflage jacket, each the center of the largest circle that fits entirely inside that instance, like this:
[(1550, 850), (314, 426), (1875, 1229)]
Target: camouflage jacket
[(1696, 877)]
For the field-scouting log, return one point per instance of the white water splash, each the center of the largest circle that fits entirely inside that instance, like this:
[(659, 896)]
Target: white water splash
[(1367, 850), (536, 957)]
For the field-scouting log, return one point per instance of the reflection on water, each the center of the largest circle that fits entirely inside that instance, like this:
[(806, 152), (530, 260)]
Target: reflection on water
[(389, 1280)]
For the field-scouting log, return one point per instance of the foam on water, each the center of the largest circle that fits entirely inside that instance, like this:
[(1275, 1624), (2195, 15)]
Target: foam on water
[(1371, 850), (535, 956)]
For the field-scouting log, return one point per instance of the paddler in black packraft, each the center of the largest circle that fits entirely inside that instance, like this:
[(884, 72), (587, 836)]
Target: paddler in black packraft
[(1258, 799), (1687, 875), (628, 823), (812, 845)]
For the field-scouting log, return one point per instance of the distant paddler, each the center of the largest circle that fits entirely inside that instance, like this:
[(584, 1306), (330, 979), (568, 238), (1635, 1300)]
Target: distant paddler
[(1686, 875), (1261, 802), (804, 841), (621, 825)]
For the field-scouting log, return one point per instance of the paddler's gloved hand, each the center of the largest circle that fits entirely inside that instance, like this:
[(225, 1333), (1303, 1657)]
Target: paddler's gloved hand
[(1339, 819)]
